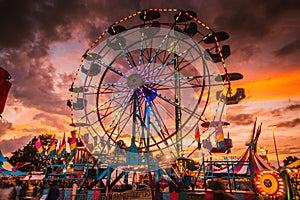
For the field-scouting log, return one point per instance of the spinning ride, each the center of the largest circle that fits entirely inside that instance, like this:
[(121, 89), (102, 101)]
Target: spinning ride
[(145, 84)]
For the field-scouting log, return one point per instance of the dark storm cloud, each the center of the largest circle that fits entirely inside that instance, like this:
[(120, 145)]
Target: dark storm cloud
[(288, 149), (54, 20), (289, 124), (252, 22), (241, 119), (289, 108), (30, 27), (33, 83), (254, 18), (290, 48), (276, 112), (293, 107)]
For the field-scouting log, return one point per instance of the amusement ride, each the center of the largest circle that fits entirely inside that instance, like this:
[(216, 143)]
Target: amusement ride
[(143, 90)]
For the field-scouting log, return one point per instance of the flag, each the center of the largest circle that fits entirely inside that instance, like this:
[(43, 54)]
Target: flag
[(207, 143), (72, 144), (39, 147), (95, 141), (62, 148), (219, 133), (52, 148), (197, 137), (197, 134), (19, 165)]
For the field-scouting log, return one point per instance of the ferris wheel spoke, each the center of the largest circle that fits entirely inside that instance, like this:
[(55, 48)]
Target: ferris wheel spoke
[(156, 52), (85, 116), (172, 102), (109, 111), (140, 53), (115, 70), (112, 84), (174, 79), (120, 128), (167, 99), (166, 88), (114, 89), (161, 136), (126, 57), (165, 64), (123, 107), (160, 123), (111, 99)]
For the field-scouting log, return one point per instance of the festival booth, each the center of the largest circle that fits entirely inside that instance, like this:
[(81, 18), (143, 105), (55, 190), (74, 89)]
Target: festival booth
[(291, 176), (248, 178), (7, 169), (8, 172), (250, 170)]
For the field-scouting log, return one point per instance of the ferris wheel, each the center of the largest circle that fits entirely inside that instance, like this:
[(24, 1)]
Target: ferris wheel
[(145, 84)]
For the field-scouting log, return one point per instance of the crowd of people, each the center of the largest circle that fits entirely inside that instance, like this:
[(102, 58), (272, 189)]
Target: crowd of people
[(19, 188)]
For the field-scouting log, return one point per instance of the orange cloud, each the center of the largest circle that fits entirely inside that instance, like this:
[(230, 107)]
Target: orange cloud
[(281, 86)]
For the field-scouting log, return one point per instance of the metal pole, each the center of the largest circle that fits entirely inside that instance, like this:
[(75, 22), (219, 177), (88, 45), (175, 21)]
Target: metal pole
[(178, 108), (273, 127)]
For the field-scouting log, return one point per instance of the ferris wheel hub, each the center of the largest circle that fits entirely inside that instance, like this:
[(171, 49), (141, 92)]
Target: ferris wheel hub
[(134, 81)]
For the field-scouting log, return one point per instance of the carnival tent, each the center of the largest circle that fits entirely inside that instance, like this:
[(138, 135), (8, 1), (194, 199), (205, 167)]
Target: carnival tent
[(295, 164), (244, 164), (7, 169), (250, 163)]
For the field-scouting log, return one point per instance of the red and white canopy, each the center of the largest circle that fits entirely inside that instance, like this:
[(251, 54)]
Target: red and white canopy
[(242, 166)]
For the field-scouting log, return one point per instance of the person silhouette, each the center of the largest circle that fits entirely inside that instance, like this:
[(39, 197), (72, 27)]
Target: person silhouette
[(219, 192), (53, 193)]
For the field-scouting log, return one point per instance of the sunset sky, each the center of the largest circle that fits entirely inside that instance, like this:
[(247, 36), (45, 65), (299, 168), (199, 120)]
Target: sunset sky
[(42, 43)]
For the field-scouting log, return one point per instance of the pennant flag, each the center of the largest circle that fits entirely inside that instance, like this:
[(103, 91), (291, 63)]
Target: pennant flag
[(19, 165), (39, 147), (52, 148), (86, 138), (73, 144), (197, 134), (62, 148), (207, 143), (95, 141), (219, 133), (197, 137)]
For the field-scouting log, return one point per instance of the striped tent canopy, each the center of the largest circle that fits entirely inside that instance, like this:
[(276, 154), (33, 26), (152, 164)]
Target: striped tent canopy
[(250, 162), (7, 169), (243, 165)]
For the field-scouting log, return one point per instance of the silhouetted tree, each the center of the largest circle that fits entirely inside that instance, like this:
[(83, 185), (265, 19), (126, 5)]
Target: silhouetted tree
[(288, 160), (29, 156)]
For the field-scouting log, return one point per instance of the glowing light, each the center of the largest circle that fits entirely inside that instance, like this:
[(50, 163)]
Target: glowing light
[(277, 186)]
